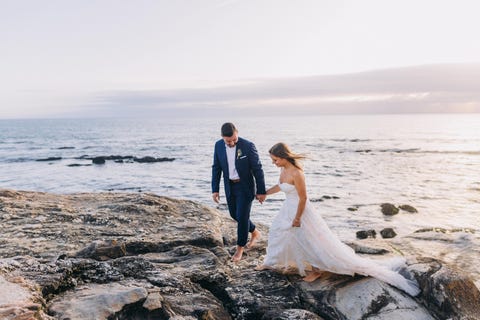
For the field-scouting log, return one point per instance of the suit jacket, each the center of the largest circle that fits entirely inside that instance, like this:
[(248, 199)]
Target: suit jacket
[(248, 166)]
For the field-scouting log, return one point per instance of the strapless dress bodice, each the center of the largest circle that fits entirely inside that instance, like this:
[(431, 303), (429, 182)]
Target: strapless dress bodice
[(288, 189)]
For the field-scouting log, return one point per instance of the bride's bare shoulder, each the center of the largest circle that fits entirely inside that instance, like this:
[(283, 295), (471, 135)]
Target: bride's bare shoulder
[(298, 173)]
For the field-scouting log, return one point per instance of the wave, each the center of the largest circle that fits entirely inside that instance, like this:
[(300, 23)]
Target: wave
[(418, 151), (27, 159), (471, 153), (445, 230), (351, 140), (17, 160)]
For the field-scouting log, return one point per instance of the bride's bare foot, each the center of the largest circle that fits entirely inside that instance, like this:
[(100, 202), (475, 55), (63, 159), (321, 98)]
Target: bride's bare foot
[(290, 271), (261, 267), (255, 236), (312, 276), (238, 254)]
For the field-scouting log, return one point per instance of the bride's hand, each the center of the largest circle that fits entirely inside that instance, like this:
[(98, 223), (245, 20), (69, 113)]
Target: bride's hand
[(296, 222)]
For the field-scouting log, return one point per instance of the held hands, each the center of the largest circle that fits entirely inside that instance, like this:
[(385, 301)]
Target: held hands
[(261, 197)]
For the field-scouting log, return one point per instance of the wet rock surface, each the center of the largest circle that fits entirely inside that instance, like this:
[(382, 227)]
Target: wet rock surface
[(389, 209), (364, 234), (408, 208), (142, 256), (388, 233)]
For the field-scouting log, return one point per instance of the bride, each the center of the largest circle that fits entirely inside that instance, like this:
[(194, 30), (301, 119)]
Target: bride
[(300, 239)]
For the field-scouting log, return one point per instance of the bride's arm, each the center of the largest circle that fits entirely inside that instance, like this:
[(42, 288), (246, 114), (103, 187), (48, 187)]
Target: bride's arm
[(273, 190), (299, 181)]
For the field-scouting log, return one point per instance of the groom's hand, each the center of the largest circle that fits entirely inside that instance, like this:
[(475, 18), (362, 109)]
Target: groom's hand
[(261, 197), (216, 197)]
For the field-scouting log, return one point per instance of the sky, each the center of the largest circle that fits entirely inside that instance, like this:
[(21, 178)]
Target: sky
[(84, 58)]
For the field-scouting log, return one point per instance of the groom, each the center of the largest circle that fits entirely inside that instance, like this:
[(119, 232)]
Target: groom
[(243, 179)]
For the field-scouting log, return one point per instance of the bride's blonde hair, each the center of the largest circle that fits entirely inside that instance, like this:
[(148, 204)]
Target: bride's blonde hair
[(281, 150)]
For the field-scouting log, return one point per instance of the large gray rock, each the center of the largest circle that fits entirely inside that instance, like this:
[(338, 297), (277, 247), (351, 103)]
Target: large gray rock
[(450, 293), (340, 297), (141, 256), (96, 301), (19, 300)]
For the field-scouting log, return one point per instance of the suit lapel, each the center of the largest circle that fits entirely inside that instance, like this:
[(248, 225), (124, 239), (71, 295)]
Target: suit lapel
[(223, 157), (239, 147)]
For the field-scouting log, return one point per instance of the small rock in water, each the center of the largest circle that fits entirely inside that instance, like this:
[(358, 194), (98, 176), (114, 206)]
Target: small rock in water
[(79, 165), (98, 160), (149, 159), (388, 233), (50, 159), (364, 234), (389, 209), (408, 208)]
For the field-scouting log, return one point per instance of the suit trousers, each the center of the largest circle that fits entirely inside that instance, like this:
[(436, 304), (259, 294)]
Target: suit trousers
[(239, 206)]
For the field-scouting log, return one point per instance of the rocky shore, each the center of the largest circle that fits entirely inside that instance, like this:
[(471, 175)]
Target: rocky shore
[(142, 256)]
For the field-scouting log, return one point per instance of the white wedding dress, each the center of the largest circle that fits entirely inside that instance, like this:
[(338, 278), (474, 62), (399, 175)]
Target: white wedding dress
[(315, 245)]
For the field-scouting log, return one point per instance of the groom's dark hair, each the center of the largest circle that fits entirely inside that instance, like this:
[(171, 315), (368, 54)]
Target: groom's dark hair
[(228, 129)]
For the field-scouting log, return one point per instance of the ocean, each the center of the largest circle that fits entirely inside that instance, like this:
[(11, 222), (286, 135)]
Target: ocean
[(355, 163)]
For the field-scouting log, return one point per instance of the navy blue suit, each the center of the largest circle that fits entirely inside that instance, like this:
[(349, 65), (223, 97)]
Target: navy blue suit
[(239, 195)]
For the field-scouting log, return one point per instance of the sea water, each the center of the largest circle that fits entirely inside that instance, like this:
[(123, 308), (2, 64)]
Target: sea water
[(355, 163)]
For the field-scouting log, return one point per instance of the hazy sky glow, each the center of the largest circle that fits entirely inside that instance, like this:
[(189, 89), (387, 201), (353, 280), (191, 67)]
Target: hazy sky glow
[(116, 57)]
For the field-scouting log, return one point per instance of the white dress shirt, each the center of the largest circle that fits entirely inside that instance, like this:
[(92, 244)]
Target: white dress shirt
[(232, 171)]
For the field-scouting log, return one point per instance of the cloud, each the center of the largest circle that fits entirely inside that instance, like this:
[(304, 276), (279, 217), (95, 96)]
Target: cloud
[(428, 88)]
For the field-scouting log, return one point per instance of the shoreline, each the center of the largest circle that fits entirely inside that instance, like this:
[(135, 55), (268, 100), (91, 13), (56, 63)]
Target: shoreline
[(458, 247)]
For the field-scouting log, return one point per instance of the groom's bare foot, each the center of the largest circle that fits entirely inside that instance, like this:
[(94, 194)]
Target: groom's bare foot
[(255, 236), (238, 254), (312, 276)]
